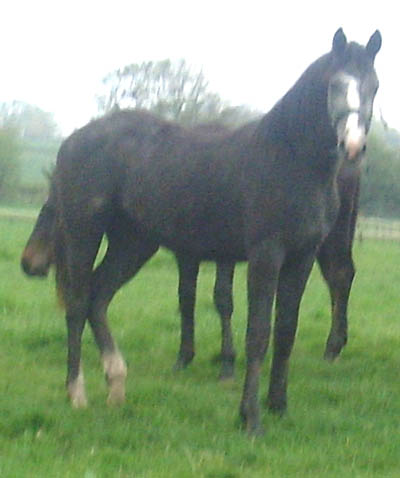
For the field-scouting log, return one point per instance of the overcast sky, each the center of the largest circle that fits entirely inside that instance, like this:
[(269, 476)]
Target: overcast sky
[(54, 54)]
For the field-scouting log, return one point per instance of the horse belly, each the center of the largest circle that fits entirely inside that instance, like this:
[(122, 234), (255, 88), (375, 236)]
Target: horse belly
[(188, 206), (193, 229)]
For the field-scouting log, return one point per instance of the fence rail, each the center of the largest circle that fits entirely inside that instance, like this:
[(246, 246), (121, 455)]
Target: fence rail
[(17, 213), (377, 228)]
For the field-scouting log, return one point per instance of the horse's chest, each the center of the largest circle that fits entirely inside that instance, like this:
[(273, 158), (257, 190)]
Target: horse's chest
[(297, 220), (312, 220)]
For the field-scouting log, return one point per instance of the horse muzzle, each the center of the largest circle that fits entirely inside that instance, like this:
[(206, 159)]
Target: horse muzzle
[(34, 263), (352, 139)]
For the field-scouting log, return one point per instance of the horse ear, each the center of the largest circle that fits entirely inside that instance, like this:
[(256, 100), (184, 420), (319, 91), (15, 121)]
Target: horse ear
[(339, 42), (374, 44)]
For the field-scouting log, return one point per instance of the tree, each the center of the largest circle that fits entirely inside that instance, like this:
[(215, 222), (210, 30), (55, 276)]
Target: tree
[(380, 190), (29, 142), (9, 160), (170, 90), (32, 122)]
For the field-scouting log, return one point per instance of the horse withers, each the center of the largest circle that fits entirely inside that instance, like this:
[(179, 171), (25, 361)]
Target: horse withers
[(269, 197)]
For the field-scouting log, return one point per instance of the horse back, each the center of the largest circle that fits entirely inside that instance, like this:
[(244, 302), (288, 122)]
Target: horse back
[(184, 189)]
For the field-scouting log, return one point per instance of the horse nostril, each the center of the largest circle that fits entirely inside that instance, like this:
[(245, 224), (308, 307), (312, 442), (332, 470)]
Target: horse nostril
[(26, 266), (342, 145), (33, 267)]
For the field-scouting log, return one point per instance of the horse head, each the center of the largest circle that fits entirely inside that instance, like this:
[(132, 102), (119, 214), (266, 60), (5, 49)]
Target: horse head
[(37, 256), (352, 87)]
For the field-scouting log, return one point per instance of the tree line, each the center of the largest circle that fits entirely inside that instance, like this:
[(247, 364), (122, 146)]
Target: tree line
[(29, 137), (380, 184), (29, 140), (172, 91)]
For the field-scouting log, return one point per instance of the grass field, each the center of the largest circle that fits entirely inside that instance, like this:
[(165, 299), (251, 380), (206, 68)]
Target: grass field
[(343, 418)]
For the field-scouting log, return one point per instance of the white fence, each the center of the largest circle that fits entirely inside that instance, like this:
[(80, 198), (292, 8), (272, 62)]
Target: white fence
[(377, 228), (16, 213)]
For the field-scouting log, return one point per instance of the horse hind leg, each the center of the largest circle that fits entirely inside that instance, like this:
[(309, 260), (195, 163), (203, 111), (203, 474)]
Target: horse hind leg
[(188, 271), (115, 371), (224, 305), (80, 253), (124, 257), (77, 306)]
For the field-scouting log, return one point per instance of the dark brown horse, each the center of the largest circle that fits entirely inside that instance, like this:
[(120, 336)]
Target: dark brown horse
[(334, 258), (266, 193), (38, 256)]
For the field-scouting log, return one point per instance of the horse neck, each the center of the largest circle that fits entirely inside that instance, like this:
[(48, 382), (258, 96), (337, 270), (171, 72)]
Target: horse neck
[(301, 117), (300, 124), (305, 111)]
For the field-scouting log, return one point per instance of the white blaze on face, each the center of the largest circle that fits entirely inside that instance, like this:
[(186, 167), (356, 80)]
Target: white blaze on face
[(353, 94), (354, 135)]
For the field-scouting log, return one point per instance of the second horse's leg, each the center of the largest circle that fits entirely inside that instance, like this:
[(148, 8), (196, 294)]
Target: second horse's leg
[(224, 304), (188, 271)]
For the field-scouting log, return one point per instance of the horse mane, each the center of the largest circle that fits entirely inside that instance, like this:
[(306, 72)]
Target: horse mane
[(286, 121)]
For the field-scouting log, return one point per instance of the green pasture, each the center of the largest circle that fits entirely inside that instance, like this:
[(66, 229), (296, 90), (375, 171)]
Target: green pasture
[(343, 420)]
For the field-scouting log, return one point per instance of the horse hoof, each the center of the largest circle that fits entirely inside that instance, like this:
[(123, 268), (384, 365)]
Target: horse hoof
[(330, 356), (332, 353), (76, 393), (116, 399), (277, 408), (226, 374), (116, 394), (252, 428), (78, 402), (256, 431), (181, 363), (250, 420), (334, 346)]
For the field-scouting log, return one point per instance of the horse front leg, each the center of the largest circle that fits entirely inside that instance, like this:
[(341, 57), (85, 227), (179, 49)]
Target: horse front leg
[(336, 262), (292, 281), (188, 271), (338, 271), (224, 305), (262, 278)]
